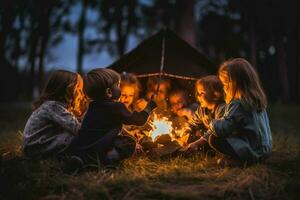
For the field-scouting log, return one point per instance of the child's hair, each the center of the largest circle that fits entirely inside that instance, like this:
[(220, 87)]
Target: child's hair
[(128, 79), (182, 93), (153, 81), (97, 81), (62, 86), (213, 89), (242, 82)]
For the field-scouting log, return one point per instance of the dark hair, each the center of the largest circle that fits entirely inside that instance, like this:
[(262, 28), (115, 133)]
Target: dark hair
[(59, 87), (243, 83), (182, 93), (153, 81), (213, 89), (98, 80)]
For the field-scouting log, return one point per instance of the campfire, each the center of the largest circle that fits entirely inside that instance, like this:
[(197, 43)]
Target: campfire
[(162, 126)]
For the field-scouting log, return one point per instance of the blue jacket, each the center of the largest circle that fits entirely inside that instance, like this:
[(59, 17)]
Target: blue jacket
[(245, 129)]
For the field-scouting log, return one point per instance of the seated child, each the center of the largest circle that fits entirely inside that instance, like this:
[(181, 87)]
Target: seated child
[(243, 133), (104, 119), (130, 90), (162, 93), (209, 93), (54, 121), (160, 99), (180, 112), (179, 104)]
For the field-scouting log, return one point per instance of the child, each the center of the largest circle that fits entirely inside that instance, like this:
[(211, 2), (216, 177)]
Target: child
[(243, 133), (179, 111), (162, 93), (130, 89), (53, 123), (179, 104), (209, 93), (104, 119)]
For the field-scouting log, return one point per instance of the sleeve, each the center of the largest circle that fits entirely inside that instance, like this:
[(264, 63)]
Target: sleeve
[(61, 116), (196, 121), (228, 124), (135, 118), (206, 135)]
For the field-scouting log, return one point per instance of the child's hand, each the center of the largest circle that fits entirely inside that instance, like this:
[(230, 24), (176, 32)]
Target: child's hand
[(195, 146), (141, 104), (198, 134)]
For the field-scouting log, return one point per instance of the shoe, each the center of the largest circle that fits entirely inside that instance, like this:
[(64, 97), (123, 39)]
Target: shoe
[(113, 155), (73, 164), (228, 162)]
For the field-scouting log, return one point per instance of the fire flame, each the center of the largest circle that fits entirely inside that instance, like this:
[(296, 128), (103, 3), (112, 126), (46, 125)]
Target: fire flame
[(163, 125), (160, 126)]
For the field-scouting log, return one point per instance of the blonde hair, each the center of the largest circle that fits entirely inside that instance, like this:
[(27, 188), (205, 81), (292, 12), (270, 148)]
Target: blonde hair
[(242, 82), (128, 79), (64, 86)]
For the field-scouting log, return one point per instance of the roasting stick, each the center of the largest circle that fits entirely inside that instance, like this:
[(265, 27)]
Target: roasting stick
[(162, 63)]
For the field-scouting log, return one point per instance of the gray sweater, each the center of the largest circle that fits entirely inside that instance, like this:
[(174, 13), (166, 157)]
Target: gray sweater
[(49, 130)]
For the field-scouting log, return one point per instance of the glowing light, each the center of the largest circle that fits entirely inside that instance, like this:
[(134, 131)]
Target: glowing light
[(160, 126)]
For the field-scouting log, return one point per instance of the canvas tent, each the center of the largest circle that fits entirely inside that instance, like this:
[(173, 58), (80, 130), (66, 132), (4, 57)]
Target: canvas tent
[(167, 51)]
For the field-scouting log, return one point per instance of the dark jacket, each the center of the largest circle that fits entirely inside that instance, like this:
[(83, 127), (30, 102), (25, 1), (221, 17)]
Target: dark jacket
[(104, 117)]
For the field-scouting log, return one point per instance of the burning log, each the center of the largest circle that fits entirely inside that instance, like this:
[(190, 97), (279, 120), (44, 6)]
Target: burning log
[(161, 141)]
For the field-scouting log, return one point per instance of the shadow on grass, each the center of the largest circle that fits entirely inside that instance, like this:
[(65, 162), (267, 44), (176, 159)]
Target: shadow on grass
[(140, 178)]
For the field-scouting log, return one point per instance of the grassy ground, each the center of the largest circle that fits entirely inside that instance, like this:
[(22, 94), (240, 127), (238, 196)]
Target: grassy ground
[(139, 178)]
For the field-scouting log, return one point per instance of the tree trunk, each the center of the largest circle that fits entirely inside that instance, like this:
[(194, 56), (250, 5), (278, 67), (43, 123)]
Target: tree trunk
[(186, 22), (124, 31), (32, 59), (283, 70), (81, 29), (293, 61), (43, 48), (253, 47), (121, 38), (45, 30)]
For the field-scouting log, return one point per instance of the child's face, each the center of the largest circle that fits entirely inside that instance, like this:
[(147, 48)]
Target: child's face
[(127, 95), (162, 92), (176, 102), (200, 92)]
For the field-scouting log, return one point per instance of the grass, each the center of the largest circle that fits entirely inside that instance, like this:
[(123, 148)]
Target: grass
[(140, 178)]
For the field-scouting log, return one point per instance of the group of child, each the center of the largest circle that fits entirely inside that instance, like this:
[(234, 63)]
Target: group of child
[(82, 119)]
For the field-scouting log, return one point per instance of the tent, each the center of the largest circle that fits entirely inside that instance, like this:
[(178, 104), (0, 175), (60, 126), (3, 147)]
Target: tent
[(165, 53)]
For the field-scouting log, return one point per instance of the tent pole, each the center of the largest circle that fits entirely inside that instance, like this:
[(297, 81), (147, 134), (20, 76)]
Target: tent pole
[(162, 62)]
